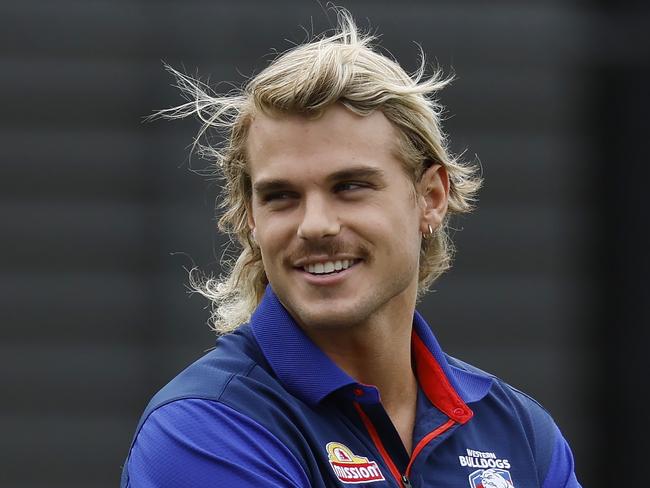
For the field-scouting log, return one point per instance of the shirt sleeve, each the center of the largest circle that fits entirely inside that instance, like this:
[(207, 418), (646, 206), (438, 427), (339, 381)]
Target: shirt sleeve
[(195, 443), (561, 470)]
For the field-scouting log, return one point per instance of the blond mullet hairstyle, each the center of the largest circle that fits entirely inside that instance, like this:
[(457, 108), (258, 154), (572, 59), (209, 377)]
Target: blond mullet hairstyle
[(340, 68)]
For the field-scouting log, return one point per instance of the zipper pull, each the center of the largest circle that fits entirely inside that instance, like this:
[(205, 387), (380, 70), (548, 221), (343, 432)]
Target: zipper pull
[(406, 482)]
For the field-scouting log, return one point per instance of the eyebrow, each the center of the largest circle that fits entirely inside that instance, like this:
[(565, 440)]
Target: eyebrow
[(357, 172), (271, 185)]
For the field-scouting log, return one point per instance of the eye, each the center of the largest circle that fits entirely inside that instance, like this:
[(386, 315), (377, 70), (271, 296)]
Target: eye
[(278, 196), (350, 186)]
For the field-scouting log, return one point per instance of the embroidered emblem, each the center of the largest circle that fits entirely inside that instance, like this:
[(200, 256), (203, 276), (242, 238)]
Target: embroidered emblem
[(490, 478), (350, 468), (481, 459)]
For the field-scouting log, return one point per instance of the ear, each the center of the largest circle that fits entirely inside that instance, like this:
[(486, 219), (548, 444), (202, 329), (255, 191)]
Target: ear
[(433, 196), (249, 219)]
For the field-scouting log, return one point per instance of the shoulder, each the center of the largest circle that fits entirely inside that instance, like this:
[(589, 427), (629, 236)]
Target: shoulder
[(518, 402), (553, 457), (193, 429), (191, 442), (234, 355)]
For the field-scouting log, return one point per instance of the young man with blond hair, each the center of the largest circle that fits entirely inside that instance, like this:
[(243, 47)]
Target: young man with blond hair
[(338, 187)]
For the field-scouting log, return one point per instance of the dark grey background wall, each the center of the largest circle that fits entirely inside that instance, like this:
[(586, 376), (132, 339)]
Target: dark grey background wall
[(100, 214)]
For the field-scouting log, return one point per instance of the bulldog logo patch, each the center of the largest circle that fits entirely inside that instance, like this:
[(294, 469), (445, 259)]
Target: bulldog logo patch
[(490, 478)]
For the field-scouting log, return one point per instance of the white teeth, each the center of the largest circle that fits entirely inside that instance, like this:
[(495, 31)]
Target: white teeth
[(328, 266)]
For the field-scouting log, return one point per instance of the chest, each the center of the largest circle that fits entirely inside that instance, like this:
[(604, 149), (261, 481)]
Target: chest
[(483, 453)]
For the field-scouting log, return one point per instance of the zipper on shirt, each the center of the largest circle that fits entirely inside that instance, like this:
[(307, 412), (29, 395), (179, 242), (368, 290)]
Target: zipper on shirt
[(401, 478)]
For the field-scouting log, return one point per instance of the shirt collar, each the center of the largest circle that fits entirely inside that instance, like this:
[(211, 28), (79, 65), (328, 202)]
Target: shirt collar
[(309, 374), (448, 388)]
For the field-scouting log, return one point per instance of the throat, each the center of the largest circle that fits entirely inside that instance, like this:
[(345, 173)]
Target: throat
[(402, 414)]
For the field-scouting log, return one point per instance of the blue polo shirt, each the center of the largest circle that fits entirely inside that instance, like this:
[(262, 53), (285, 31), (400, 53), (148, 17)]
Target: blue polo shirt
[(267, 408)]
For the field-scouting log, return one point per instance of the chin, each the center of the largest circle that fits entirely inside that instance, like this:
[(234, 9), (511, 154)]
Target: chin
[(326, 320), (329, 316)]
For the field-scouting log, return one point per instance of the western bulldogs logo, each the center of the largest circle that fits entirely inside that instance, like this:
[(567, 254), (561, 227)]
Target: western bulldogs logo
[(490, 478)]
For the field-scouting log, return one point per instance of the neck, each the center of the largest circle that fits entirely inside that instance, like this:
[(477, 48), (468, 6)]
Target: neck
[(374, 357), (378, 353)]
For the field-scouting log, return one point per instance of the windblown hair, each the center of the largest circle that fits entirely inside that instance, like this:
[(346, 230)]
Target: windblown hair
[(345, 68)]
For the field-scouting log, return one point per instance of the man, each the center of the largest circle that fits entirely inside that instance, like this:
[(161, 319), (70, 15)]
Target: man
[(338, 186)]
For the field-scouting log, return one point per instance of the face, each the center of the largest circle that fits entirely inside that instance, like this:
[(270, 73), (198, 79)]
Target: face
[(335, 215)]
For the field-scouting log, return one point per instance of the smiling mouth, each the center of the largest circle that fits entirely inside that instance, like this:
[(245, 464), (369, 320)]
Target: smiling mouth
[(329, 267)]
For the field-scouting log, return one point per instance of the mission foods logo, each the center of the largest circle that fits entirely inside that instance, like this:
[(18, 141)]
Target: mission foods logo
[(350, 468)]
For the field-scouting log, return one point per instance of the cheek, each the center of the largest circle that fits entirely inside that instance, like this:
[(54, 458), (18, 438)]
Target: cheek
[(273, 238), (397, 233)]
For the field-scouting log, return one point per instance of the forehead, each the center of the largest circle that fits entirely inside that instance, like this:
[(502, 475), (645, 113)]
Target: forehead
[(294, 144)]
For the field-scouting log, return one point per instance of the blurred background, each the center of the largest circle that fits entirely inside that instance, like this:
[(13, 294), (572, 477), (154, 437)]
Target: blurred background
[(100, 214)]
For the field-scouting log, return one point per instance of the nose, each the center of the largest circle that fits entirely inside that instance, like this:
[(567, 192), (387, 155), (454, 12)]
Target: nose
[(318, 220)]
